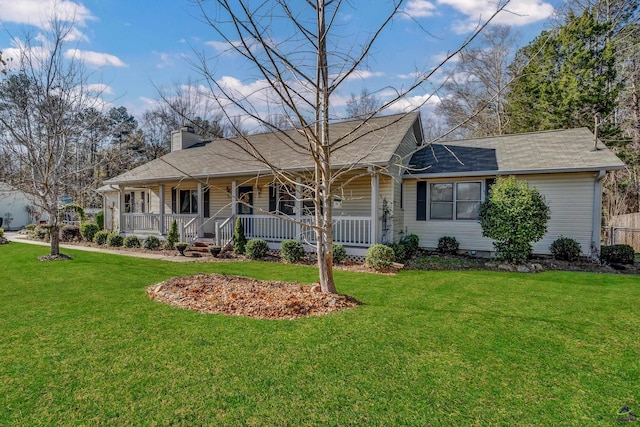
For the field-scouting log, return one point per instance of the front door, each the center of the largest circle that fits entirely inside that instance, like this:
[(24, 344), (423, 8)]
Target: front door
[(245, 207)]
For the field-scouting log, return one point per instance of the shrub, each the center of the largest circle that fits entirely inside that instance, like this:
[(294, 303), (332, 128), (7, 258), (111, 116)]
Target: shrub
[(88, 230), (239, 239), (131, 242), (101, 237), (514, 216), (339, 253), (172, 235), (1, 232), (38, 233), (256, 249), (411, 244), (69, 233), (100, 220), (448, 245), (115, 240), (151, 242), (400, 251), (565, 249), (291, 250), (622, 254), (379, 256), (30, 227)]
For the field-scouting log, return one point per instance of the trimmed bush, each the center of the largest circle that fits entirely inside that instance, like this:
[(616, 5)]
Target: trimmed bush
[(565, 249), (339, 253), (101, 237), (1, 232), (68, 233), (291, 251), (514, 216), (151, 242), (256, 249), (448, 245), (621, 254), (131, 242), (115, 240), (38, 233), (100, 220), (411, 244), (400, 251), (172, 235), (239, 239), (88, 230), (379, 256)]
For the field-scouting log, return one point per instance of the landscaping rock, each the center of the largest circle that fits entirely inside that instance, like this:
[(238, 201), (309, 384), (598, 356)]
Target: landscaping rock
[(537, 267), (505, 267), (523, 269)]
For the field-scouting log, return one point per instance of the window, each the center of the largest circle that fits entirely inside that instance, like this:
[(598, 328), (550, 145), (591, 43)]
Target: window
[(459, 200), (129, 202), (468, 199), (184, 201)]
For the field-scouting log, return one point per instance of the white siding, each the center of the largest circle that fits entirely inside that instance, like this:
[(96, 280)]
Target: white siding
[(569, 197)]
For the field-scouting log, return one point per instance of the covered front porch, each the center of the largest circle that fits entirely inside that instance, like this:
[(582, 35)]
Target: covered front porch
[(209, 210)]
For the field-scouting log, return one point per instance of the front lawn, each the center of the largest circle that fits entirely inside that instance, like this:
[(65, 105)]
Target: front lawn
[(81, 344)]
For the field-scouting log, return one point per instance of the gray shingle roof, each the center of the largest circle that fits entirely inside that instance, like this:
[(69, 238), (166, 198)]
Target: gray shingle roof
[(375, 143), (538, 152)]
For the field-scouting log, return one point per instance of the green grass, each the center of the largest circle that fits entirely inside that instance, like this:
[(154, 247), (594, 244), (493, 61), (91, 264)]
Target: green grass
[(81, 344)]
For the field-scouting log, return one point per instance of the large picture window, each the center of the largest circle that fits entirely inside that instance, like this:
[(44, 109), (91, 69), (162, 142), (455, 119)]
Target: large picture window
[(455, 200)]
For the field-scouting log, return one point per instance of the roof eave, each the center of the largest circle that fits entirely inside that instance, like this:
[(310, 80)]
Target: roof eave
[(512, 172)]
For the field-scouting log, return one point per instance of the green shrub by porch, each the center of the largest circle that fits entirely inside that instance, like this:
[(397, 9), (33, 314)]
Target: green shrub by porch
[(172, 235), (448, 245), (115, 240), (131, 241), (380, 256), (291, 251), (239, 239), (339, 253), (88, 230), (100, 220), (151, 242), (101, 237), (256, 249)]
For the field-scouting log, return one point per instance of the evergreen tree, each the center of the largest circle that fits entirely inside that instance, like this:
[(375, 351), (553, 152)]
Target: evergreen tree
[(566, 77)]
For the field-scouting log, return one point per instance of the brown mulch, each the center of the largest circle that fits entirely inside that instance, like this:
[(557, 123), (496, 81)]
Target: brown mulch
[(59, 257), (241, 296)]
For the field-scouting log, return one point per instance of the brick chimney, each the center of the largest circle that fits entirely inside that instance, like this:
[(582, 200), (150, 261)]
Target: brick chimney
[(184, 138)]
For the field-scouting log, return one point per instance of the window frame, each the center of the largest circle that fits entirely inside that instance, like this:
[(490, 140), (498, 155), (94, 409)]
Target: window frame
[(454, 202)]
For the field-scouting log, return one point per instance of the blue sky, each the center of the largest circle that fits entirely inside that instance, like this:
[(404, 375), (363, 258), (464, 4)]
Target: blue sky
[(134, 46)]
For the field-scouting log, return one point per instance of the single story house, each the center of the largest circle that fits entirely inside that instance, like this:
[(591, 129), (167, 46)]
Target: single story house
[(17, 209), (391, 184)]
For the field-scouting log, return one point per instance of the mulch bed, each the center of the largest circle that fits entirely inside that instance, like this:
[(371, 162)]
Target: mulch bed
[(241, 296)]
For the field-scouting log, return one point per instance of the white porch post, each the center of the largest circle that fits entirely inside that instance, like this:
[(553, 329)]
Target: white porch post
[(161, 225), (234, 195), (120, 211), (200, 210), (375, 185), (298, 209)]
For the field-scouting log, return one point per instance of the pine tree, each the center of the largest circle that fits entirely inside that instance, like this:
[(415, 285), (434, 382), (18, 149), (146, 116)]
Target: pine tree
[(564, 78)]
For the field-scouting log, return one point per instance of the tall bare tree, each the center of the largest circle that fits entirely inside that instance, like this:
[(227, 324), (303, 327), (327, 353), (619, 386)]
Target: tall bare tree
[(474, 93), (361, 106), (300, 74), (41, 106)]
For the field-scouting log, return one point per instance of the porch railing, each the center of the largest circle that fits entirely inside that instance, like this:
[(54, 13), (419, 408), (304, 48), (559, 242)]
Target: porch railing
[(147, 223), (348, 230)]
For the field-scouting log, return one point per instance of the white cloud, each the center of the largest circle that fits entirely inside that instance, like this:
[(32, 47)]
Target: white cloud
[(99, 88), (363, 74), (95, 58), (411, 103), (233, 46), (419, 9), (39, 12), (517, 12)]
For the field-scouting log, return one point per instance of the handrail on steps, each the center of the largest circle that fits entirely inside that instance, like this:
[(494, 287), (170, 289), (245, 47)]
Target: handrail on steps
[(219, 228), (184, 228)]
